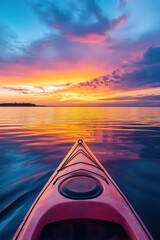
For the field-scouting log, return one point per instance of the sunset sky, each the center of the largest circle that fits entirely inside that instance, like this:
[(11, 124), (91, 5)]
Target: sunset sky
[(80, 52)]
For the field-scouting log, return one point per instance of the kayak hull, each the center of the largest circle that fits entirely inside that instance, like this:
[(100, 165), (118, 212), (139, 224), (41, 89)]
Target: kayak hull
[(81, 189)]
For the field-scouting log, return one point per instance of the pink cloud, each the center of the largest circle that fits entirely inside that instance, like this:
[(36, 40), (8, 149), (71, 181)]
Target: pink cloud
[(90, 38)]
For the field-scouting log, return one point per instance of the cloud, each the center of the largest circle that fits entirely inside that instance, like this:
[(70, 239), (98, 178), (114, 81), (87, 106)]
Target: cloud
[(46, 53), (35, 90), (8, 44), (143, 78), (116, 74), (139, 97), (140, 100), (107, 80), (79, 26), (94, 32), (151, 56), (81, 41), (77, 20), (147, 72), (126, 43)]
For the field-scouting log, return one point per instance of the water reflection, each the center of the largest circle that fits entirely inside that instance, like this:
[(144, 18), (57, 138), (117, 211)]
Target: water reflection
[(33, 141)]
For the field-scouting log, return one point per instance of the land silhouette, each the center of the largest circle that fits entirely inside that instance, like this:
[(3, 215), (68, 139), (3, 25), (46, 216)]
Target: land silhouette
[(17, 104)]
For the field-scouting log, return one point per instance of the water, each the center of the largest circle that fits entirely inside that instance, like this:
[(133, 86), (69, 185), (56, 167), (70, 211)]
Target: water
[(33, 141)]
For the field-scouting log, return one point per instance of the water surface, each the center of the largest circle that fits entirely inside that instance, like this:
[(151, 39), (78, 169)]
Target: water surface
[(33, 141)]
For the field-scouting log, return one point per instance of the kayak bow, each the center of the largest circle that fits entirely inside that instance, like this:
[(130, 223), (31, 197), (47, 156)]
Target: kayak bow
[(81, 201)]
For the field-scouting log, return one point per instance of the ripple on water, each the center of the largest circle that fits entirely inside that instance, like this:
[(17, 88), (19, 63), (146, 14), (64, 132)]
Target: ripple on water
[(34, 141)]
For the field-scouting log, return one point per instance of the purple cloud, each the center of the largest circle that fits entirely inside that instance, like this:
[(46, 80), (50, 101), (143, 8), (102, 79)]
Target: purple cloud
[(46, 53), (76, 24), (140, 100), (147, 73), (116, 74), (139, 97), (88, 18), (151, 56), (102, 81)]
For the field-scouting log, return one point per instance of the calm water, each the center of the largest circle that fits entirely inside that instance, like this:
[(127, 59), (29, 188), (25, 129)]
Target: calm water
[(33, 141)]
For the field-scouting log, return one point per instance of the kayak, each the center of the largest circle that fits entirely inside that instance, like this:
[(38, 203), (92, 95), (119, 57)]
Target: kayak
[(81, 201)]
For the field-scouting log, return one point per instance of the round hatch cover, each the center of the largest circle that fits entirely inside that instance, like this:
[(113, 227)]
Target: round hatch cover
[(80, 187)]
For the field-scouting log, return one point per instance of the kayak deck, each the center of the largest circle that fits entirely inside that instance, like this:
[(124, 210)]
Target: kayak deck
[(81, 201)]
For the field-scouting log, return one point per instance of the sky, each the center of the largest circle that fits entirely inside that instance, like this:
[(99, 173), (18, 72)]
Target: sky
[(80, 52)]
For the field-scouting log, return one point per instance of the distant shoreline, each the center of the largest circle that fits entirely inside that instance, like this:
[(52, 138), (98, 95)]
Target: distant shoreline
[(18, 105), (72, 106)]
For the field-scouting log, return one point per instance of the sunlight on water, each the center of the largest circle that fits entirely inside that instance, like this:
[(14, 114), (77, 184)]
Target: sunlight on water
[(33, 141)]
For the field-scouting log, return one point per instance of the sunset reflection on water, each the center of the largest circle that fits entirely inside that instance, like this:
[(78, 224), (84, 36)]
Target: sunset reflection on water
[(33, 141)]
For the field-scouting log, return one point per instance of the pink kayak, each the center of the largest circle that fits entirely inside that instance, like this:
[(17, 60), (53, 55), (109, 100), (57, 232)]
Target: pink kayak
[(81, 201)]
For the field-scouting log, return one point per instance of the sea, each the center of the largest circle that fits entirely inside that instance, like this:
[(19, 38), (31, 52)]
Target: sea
[(34, 140)]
